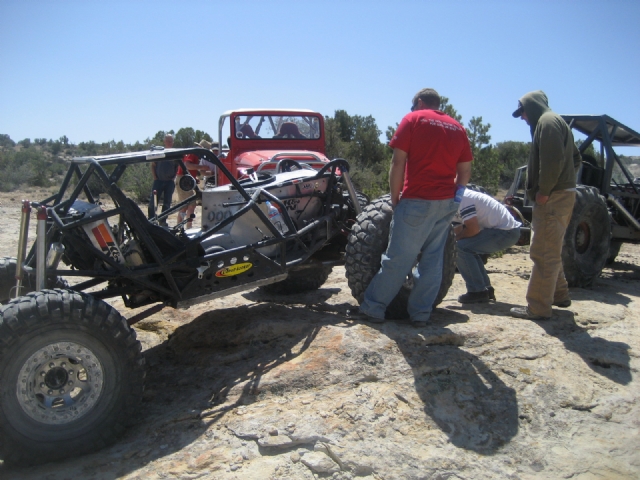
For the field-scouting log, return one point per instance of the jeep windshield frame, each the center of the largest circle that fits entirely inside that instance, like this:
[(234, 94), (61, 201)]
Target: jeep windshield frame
[(245, 131)]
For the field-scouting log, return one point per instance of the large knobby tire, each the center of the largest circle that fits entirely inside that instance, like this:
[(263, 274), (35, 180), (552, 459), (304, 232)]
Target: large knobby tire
[(368, 241), (300, 281), (8, 280), (72, 376), (586, 241)]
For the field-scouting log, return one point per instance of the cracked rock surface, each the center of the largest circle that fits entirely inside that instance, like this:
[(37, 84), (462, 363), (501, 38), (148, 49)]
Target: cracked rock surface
[(257, 386)]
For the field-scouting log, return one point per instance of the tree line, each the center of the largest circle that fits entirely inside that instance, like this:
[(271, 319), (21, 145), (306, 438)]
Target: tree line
[(356, 138), (43, 163)]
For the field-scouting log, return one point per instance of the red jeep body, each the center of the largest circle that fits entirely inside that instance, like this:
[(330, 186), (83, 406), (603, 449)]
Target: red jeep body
[(259, 139)]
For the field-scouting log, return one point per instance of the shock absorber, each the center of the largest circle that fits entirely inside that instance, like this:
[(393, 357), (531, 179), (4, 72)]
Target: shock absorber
[(22, 245), (41, 244)]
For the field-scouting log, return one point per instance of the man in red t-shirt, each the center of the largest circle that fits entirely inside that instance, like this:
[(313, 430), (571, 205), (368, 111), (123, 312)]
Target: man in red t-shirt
[(431, 158)]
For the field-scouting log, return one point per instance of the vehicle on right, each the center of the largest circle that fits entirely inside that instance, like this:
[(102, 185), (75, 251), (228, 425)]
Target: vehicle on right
[(607, 208)]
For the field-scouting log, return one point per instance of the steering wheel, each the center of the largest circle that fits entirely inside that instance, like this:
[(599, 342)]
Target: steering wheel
[(285, 165)]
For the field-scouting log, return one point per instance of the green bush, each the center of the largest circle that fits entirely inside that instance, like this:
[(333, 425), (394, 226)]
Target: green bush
[(28, 167), (137, 181)]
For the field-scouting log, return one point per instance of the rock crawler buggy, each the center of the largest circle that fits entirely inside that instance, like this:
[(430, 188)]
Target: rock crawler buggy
[(71, 368)]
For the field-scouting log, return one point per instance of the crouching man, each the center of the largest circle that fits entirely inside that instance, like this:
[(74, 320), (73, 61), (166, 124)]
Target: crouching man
[(486, 226)]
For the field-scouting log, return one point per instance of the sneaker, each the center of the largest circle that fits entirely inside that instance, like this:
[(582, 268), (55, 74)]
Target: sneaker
[(563, 303), (524, 312), (475, 297)]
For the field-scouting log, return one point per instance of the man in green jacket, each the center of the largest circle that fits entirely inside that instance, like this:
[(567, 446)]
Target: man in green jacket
[(551, 186)]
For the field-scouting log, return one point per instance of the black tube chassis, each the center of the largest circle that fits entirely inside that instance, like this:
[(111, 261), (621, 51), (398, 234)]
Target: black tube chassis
[(181, 269)]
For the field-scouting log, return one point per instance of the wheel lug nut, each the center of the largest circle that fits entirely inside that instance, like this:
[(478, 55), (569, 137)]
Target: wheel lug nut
[(42, 385), (51, 365), (50, 392), (62, 390)]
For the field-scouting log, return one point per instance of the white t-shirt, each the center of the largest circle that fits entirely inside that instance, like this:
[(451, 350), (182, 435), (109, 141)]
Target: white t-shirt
[(490, 212)]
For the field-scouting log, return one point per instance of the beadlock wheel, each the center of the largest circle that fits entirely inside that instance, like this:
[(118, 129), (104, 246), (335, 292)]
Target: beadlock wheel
[(60, 383)]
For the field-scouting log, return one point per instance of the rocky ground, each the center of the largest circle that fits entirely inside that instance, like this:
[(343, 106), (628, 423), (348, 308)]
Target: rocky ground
[(289, 387)]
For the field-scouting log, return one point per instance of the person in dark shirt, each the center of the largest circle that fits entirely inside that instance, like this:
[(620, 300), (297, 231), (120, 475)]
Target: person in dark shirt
[(551, 186), (164, 174)]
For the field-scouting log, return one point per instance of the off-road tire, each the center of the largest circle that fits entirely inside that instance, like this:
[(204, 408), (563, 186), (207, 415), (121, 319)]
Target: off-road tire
[(368, 241), (363, 199), (300, 281), (586, 241), (72, 376), (8, 280)]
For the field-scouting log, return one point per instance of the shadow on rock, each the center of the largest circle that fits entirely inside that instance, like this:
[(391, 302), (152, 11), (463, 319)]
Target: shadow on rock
[(461, 394), (609, 359), (604, 293), (306, 298), (210, 366)]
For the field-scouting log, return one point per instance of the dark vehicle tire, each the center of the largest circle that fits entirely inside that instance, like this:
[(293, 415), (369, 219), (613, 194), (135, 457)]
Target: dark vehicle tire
[(363, 199), (300, 281), (72, 376), (614, 250), (368, 241), (8, 280), (587, 239)]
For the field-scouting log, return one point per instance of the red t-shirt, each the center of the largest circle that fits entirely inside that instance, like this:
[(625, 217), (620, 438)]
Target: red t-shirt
[(190, 158), (435, 144)]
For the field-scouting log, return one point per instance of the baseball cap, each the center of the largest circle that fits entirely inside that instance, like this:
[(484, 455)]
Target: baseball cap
[(519, 110)]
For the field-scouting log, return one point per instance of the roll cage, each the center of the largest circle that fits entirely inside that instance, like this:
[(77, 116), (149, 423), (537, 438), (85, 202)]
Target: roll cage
[(178, 270)]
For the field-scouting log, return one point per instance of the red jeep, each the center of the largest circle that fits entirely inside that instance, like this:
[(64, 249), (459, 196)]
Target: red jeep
[(259, 139)]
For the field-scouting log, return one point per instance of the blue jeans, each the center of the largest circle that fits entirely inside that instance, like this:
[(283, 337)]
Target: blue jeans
[(470, 264), (418, 226), (164, 189)]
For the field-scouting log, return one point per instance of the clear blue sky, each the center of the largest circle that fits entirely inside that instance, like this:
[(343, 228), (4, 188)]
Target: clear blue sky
[(122, 70)]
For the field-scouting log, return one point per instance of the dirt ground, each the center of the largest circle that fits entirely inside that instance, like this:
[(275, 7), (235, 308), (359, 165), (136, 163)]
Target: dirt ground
[(256, 386)]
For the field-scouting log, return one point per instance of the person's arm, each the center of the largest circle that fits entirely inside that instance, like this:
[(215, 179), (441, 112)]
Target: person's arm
[(541, 199), (551, 155), (396, 174), (195, 166), (470, 228), (153, 170), (464, 173)]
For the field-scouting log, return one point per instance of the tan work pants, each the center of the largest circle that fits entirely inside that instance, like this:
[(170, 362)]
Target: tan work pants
[(549, 223)]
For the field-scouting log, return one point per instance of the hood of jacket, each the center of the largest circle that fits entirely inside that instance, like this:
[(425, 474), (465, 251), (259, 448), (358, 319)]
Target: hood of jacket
[(534, 105)]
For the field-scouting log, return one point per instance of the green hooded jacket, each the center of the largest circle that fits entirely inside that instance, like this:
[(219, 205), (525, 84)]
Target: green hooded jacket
[(554, 159)]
